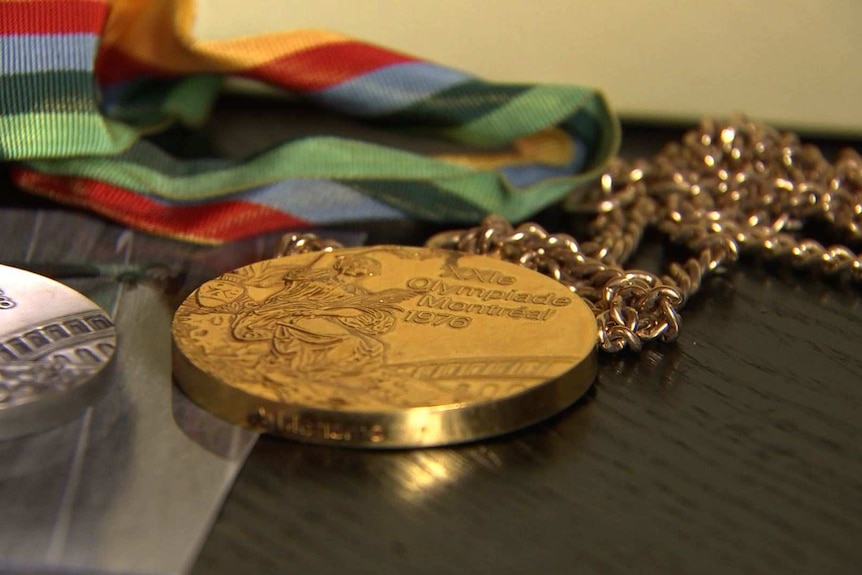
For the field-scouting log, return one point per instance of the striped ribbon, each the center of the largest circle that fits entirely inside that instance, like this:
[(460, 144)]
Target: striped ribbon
[(85, 83)]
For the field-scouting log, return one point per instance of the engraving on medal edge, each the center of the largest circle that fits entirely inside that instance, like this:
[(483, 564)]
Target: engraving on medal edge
[(6, 302), (315, 428), (54, 356), (314, 333)]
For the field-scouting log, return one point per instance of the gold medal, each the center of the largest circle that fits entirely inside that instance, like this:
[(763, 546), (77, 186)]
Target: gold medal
[(384, 346)]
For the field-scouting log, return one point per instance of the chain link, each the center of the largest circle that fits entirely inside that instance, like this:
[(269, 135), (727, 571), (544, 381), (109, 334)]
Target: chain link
[(303, 243), (725, 189)]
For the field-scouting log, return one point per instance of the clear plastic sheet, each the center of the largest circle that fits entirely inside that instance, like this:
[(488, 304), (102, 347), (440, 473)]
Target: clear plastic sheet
[(134, 485)]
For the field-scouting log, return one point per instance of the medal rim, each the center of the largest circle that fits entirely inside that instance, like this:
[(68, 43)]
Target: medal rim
[(327, 426)]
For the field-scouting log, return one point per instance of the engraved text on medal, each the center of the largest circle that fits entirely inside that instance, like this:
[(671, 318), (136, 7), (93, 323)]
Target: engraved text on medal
[(455, 292), (6, 302)]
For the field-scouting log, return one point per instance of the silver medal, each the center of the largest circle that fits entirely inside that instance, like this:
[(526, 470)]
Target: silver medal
[(54, 347)]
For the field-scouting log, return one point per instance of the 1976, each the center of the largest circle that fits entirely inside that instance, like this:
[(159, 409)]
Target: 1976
[(437, 319)]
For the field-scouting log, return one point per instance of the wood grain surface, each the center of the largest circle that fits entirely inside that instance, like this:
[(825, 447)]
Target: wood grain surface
[(735, 450), (738, 449)]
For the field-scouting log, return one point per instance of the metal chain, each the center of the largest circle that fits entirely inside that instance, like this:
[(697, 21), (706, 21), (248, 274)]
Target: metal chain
[(725, 189)]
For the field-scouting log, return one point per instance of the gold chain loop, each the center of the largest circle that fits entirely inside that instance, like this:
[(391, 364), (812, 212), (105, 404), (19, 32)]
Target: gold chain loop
[(725, 189)]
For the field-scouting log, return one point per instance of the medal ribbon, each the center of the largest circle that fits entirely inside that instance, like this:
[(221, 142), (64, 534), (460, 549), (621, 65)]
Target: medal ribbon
[(84, 84)]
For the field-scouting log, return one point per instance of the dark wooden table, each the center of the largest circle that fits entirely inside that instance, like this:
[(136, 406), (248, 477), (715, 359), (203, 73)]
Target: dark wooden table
[(738, 449)]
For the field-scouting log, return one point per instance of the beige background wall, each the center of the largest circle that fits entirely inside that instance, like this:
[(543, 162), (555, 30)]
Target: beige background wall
[(793, 62)]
